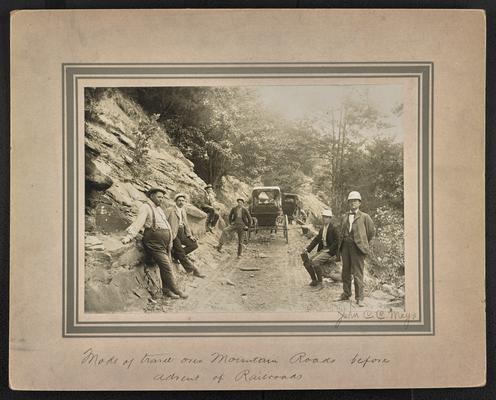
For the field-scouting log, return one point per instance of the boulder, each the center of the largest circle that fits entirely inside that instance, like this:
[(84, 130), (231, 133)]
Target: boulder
[(130, 254), (90, 241), (95, 179), (120, 193), (100, 297), (332, 270), (100, 259), (110, 219)]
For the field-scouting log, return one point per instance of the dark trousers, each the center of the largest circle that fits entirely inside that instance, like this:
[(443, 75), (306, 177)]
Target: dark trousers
[(188, 243), (156, 244), (239, 229), (353, 262), (316, 263), (180, 252), (212, 217)]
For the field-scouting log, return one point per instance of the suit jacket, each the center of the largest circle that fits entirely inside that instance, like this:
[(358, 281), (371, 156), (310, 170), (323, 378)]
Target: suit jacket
[(172, 216), (244, 213), (362, 230), (332, 240)]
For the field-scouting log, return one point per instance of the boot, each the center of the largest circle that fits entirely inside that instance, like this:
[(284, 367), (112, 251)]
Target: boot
[(240, 250), (198, 274), (311, 272), (168, 293), (179, 293), (219, 248)]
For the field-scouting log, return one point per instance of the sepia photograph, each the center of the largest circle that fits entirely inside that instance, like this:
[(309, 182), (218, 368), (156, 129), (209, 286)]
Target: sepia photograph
[(244, 199), (247, 199)]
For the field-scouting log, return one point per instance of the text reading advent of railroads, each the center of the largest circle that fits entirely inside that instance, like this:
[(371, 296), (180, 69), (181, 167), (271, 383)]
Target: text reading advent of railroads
[(224, 367)]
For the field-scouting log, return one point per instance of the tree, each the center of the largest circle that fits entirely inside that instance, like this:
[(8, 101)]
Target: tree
[(343, 148)]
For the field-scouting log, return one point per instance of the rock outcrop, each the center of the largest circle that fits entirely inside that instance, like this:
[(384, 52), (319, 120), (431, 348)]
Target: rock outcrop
[(126, 153)]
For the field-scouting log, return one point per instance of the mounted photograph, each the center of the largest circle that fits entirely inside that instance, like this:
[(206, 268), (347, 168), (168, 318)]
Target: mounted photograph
[(245, 199)]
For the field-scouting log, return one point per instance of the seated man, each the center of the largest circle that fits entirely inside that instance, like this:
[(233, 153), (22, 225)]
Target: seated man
[(183, 240), (209, 208), (327, 242)]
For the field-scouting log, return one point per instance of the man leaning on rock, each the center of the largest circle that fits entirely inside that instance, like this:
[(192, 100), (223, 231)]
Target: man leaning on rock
[(157, 239), (184, 241)]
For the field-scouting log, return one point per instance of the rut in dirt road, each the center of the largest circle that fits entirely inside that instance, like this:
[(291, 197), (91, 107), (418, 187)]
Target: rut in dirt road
[(269, 277)]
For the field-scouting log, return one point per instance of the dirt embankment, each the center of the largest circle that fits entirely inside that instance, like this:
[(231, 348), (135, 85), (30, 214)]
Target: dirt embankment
[(269, 277)]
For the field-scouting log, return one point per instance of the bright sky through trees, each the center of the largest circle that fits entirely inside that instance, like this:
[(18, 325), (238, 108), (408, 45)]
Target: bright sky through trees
[(300, 102)]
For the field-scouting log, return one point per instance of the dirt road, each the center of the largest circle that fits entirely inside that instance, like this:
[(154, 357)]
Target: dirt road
[(268, 278)]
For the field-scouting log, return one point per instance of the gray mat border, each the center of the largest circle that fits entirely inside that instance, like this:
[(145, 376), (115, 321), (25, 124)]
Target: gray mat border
[(70, 75)]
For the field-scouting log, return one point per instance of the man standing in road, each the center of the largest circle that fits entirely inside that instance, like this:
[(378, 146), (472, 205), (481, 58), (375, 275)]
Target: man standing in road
[(357, 230), (327, 242), (209, 208), (239, 221), (183, 240), (157, 239)]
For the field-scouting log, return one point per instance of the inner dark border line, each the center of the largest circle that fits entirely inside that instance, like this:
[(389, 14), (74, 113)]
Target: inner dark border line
[(429, 157)]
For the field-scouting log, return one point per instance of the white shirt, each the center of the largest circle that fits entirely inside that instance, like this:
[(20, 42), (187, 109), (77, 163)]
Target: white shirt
[(145, 219), (324, 234), (351, 218)]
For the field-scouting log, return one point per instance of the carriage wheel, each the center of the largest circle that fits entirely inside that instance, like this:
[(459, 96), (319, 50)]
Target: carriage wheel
[(286, 233)]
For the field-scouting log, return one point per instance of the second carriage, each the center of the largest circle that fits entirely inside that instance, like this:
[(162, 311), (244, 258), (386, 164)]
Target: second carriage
[(267, 211), (292, 206)]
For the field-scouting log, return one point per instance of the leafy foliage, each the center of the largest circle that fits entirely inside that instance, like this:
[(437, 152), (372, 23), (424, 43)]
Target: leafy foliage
[(388, 250), (144, 134)]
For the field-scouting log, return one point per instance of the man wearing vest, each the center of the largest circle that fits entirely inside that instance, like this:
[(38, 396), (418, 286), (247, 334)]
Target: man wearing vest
[(157, 239), (357, 230), (183, 240), (327, 242), (239, 221)]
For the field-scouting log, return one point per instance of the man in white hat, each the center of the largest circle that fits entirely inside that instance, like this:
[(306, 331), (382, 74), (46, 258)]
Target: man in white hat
[(183, 240), (357, 230), (327, 242)]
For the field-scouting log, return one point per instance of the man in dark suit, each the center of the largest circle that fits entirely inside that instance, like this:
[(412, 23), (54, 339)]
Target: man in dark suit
[(239, 221), (357, 230), (327, 242)]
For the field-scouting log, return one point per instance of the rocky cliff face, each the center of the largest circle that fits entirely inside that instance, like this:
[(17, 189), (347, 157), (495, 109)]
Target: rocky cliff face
[(127, 152)]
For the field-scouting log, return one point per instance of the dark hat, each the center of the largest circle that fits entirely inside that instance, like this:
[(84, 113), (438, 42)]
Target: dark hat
[(209, 187), (239, 198), (155, 190)]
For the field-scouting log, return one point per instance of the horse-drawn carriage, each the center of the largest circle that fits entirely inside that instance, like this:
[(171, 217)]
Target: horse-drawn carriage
[(267, 212), (292, 206)]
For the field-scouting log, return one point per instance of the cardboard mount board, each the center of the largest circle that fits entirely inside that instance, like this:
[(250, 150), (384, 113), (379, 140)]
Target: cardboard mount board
[(436, 60)]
